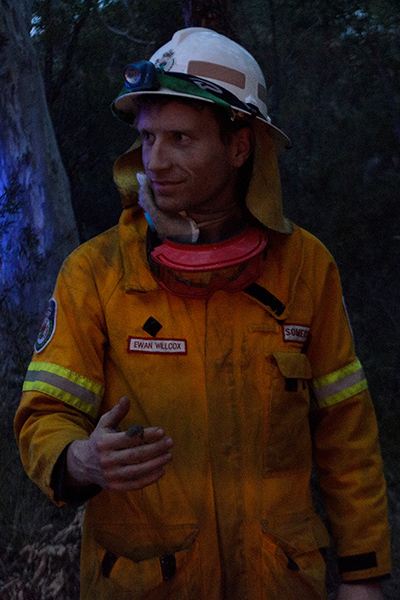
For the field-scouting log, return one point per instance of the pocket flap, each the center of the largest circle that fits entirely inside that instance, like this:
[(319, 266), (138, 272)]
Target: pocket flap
[(141, 542), (297, 534), (293, 365)]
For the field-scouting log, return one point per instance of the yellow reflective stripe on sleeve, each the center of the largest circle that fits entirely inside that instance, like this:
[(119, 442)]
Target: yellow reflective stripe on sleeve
[(339, 385), (336, 375), (65, 385)]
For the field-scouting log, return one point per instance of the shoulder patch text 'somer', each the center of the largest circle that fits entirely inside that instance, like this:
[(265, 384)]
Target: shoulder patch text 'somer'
[(295, 333), (48, 327)]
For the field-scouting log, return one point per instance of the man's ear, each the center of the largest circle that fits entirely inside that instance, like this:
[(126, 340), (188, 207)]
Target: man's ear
[(242, 146)]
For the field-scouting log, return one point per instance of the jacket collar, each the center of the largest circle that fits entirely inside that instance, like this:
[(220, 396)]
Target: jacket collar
[(282, 267), (132, 236)]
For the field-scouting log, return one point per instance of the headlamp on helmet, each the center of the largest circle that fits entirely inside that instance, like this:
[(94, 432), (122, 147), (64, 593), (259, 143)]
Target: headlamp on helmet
[(141, 76)]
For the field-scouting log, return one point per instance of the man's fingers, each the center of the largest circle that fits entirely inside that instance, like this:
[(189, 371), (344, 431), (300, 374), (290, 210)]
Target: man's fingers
[(138, 476), (141, 469), (113, 417), (152, 434), (121, 440), (126, 485), (135, 467), (141, 453)]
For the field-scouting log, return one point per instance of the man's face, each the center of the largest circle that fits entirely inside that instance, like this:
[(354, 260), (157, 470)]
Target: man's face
[(188, 166)]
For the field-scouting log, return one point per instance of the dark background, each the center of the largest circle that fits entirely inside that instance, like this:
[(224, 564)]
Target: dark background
[(332, 72)]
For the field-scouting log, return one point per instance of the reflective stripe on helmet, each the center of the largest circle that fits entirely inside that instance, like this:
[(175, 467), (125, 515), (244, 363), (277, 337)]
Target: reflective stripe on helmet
[(224, 74), (339, 385), (65, 385)]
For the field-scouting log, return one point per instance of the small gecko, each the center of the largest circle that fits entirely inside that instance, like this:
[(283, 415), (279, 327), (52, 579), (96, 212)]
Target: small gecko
[(135, 430)]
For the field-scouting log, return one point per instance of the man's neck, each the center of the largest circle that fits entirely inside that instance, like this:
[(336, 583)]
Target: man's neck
[(219, 226)]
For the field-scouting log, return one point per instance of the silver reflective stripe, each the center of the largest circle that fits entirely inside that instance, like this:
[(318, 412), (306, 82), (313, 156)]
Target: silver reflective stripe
[(228, 75), (64, 384), (338, 386)]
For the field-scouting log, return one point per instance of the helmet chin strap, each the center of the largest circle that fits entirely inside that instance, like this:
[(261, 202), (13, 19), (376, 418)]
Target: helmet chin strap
[(229, 211)]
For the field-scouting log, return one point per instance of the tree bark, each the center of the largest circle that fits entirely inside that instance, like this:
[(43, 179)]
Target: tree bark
[(275, 84), (213, 14), (390, 98), (37, 224)]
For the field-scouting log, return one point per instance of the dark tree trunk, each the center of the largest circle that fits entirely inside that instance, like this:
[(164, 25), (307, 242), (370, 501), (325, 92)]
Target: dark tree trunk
[(37, 224), (213, 14), (275, 84)]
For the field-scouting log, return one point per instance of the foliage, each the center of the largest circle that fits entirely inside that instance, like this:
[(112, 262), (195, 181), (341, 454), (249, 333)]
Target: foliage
[(14, 322), (82, 67), (47, 569), (17, 325)]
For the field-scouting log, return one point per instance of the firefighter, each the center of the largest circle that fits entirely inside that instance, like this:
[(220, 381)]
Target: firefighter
[(196, 360)]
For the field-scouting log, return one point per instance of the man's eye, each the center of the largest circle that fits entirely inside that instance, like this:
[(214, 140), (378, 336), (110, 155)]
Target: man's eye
[(181, 137), (146, 135)]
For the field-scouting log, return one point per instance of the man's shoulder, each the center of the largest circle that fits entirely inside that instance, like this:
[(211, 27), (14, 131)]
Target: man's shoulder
[(299, 256), (300, 243), (95, 259), (104, 247)]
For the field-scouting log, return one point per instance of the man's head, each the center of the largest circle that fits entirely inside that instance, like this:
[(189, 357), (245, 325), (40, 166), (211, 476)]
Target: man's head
[(192, 155), (209, 70)]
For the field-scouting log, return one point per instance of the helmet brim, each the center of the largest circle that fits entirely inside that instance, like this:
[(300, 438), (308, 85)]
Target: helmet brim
[(124, 108)]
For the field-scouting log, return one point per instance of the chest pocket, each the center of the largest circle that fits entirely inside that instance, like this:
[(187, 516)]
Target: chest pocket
[(288, 439)]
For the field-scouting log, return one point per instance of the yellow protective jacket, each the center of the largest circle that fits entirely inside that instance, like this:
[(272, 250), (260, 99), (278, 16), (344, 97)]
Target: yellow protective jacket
[(252, 386)]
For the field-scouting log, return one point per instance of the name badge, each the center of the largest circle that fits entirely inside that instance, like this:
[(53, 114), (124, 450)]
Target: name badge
[(158, 346)]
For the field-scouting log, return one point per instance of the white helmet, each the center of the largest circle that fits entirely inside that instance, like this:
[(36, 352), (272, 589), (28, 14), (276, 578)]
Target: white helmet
[(202, 63)]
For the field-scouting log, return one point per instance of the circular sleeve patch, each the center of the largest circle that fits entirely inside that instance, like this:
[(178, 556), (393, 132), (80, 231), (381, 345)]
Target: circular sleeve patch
[(48, 327)]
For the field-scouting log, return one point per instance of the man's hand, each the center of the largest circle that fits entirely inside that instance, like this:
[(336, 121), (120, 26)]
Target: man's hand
[(360, 591), (117, 461)]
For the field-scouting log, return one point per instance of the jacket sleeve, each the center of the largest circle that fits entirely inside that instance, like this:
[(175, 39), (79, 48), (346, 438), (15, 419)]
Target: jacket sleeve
[(64, 383), (345, 437)]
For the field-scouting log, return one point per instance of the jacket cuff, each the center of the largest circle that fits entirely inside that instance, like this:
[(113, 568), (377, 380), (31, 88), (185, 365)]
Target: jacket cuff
[(354, 568), (357, 562), (63, 493), (368, 580)]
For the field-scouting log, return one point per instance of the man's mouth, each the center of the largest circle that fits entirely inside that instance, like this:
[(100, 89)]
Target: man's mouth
[(165, 187)]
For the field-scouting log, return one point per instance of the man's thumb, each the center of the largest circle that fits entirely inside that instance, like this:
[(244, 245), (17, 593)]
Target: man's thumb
[(112, 418)]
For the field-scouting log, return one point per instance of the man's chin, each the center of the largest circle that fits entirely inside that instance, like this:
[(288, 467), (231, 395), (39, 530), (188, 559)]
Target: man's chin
[(169, 204)]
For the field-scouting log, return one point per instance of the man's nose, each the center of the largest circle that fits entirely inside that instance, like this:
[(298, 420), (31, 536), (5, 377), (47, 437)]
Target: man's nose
[(158, 156)]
